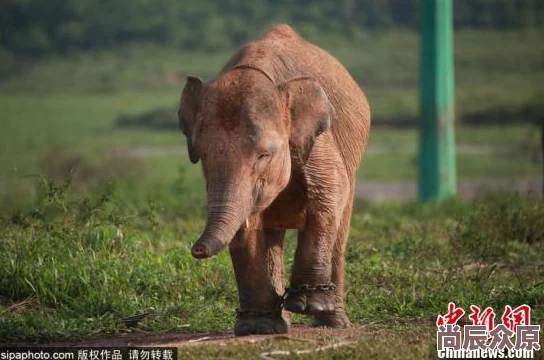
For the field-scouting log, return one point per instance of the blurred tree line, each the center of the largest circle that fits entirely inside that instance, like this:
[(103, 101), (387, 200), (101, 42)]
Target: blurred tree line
[(39, 27)]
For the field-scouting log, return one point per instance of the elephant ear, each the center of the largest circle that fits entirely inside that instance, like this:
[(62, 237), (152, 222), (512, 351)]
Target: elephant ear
[(188, 108), (310, 112)]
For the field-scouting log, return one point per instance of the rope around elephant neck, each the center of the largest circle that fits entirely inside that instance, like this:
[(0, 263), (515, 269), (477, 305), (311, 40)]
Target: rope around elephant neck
[(247, 66)]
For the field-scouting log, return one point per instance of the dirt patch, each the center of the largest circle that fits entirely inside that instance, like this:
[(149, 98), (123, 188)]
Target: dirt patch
[(378, 191), (183, 339)]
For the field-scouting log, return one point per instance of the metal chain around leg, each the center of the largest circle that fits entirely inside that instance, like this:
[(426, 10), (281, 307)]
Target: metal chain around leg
[(269, 313), (306, 288), (295, 290)]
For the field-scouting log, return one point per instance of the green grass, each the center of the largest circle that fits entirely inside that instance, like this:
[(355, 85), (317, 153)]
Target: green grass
[(403, 165), (33, 124), (76, 265), (493, 70), (39, 127), (70, 104)]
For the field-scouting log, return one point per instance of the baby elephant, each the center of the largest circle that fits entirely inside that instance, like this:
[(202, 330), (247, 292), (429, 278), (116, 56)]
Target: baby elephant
[(280, 133)]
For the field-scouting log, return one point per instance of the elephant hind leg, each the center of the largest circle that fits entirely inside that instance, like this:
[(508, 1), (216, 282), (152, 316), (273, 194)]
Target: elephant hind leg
[(338, 317)]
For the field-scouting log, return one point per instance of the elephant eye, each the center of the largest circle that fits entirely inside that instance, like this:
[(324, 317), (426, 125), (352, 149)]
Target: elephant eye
[(260, 161), (263, 155)]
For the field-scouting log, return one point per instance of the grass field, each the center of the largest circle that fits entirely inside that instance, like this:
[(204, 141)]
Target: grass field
[(79, 256), (75, 267), (72, 103), (494, 70), (83, 126)]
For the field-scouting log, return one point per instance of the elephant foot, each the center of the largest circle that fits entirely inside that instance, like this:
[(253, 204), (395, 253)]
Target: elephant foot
[(333, 319), (310, 302), (248, 325)]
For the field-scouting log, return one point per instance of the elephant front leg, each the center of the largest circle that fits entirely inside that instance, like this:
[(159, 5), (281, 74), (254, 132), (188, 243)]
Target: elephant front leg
[(260, 304), (312, 289)]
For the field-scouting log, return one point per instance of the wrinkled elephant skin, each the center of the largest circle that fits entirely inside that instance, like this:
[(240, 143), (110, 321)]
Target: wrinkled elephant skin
[(280, 133)]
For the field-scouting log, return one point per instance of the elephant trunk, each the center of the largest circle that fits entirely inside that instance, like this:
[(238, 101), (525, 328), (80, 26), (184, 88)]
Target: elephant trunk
[(226, 212)]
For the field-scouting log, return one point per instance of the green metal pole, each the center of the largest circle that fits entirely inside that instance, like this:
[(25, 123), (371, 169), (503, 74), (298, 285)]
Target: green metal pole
[(437, 170)]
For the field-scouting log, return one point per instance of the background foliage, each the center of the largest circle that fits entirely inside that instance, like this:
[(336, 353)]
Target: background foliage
[(38, 27)]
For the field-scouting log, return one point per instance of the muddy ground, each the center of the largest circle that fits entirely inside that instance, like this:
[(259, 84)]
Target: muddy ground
[(183, 339)]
